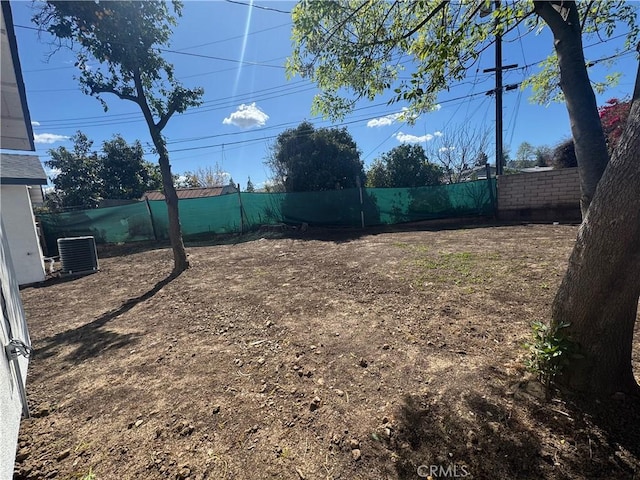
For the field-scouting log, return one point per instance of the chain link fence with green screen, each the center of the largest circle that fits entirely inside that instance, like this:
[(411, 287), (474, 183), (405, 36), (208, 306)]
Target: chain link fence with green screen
[(236, 213)]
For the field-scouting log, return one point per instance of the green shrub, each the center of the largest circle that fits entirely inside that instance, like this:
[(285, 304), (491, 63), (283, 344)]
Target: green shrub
[(549, 351)]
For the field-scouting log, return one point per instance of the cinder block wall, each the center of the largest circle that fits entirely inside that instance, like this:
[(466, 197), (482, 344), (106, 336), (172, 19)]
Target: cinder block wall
[(540, 196)]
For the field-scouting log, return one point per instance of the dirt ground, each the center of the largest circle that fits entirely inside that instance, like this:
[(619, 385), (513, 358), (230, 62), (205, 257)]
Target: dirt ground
[(316, 355)]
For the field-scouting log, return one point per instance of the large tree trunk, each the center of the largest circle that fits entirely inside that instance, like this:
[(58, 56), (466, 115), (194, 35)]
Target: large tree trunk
[(600, 291), (586, 128), (180, 262)]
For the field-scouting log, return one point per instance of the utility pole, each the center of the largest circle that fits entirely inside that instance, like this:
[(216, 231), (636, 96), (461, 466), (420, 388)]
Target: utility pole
[(499, 148), (498, 91)]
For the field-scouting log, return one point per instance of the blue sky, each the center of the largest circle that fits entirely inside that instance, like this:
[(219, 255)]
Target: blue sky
[(236, 53)]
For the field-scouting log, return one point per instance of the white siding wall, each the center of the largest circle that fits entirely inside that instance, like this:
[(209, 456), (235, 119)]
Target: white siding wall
[(12, 325), (17, 216)]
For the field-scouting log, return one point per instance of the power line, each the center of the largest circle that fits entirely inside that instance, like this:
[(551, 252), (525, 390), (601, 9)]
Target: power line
[(258, 6), (177, 52), (280, 91), (222, 59)]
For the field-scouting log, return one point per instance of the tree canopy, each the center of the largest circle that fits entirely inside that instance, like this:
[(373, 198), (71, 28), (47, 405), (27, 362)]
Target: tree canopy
[(405, 166), (353, 49), (125, 37), (76, 174), (84, 177), (358, 50), (124, 172), (307, 159)]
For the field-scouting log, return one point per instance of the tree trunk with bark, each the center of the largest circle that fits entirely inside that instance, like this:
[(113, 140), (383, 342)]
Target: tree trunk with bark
[(180, 262), (599, 294), (586, 128)]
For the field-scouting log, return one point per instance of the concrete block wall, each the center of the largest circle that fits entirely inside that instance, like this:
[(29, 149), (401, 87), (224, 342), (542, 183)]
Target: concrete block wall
[(552, 195)]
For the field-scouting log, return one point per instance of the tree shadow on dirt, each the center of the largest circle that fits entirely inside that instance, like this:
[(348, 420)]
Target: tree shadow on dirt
[(605, 431), (472, 437), (495, 433), (91, 339)]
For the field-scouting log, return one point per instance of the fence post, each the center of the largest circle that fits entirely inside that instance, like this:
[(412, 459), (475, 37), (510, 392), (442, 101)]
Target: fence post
[(494, 203), (241, 212), (359, 184), (153, 224)]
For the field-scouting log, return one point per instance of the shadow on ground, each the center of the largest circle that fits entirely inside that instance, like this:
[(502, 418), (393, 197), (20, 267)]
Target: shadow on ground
[(498, 433), (471, 437), (91, 339), (319, 233)]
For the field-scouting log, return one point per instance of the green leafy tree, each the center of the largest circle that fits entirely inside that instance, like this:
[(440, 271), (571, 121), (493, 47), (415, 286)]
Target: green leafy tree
[(124, 37), (403, 166), (353, 46), (124, 172), (377, 175), (564, 155), (481, 160), (528, 156), (525, 156), (250, 188), (306, 159), (544, 156), (77, 181)]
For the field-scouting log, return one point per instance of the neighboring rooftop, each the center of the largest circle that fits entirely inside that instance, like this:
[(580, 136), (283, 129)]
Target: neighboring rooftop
[(198, 192), (21, 170), (535, 169)]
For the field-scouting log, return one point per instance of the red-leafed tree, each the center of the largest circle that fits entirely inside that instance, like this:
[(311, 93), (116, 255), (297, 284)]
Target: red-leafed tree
[(613, 115)]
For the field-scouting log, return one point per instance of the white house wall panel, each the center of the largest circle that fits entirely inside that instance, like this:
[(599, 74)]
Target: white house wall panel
[(15, 134), (22, 236), (13, 373)]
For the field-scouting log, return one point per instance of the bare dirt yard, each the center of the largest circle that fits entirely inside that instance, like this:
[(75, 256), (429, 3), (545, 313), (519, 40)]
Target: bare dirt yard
[(316, 355)]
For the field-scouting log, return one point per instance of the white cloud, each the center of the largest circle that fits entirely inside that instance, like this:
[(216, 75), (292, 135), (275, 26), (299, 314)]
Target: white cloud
[(437, 134), (407, 138), (383, 121), (49, 138), (387, 120), (35, 124), (446, 149), (247, 116), (436, 107)]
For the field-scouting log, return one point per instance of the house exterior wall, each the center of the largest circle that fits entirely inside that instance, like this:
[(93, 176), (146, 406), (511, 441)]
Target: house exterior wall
[(22, 237), (12, 326), (545, 196)]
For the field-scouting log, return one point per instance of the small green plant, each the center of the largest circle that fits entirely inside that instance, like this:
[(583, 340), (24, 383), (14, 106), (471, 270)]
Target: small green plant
[(549, 351), (89, 476)]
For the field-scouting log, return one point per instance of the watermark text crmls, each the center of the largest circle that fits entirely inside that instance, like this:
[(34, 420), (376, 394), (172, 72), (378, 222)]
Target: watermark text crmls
[(440, 471)]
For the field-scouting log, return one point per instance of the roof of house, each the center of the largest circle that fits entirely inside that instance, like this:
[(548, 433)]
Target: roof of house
[(198, 192), (17, 133), (21, 170), (478, 170), (535, 169)]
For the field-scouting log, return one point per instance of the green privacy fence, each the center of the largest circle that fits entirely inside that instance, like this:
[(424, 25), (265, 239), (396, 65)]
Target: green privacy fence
[(236, 213)]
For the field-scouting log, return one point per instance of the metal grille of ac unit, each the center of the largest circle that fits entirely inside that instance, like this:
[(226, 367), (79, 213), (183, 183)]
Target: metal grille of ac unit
[(78, 255)]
